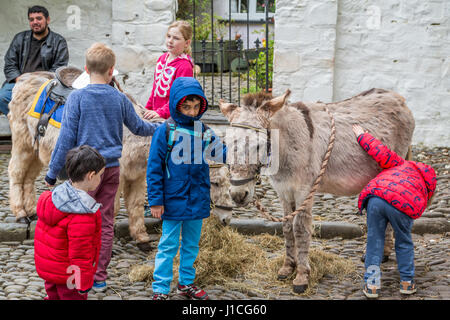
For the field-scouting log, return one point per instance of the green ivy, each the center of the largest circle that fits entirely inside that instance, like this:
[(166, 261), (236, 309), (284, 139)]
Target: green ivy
[(260, 65)]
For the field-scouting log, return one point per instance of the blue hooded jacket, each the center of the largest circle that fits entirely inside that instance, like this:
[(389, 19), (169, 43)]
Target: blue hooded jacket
[(185, 193)]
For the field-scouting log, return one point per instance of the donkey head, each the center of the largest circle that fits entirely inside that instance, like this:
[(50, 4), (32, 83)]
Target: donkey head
[(248, 140), (220, 193)]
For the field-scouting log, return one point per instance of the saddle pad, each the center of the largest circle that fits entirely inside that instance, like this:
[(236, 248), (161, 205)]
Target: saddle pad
[(38, 103)]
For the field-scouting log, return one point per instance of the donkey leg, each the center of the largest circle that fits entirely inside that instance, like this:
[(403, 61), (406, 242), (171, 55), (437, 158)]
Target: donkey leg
[(134, 202), (17, 168), (29, 190), (302, 234), (289, 261)]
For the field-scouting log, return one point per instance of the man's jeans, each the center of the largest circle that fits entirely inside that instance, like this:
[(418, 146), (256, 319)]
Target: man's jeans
[(5, 97), (379, 213)]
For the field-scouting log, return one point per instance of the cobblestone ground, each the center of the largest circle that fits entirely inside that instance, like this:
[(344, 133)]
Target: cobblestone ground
[(19, 280)]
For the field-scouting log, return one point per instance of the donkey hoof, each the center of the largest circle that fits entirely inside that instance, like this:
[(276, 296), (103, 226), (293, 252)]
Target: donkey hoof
[(300, 289), (144, 247), (282, 277)]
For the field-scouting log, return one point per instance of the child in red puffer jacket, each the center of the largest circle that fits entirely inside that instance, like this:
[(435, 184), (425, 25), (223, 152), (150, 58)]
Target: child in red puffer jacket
[(398, 195), (68, 232)]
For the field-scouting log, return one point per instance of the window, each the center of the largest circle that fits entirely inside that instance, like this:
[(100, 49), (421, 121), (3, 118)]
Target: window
[(255, 8)]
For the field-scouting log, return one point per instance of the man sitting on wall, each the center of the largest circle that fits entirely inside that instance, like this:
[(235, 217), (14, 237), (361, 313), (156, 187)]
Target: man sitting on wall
[(38, 49)]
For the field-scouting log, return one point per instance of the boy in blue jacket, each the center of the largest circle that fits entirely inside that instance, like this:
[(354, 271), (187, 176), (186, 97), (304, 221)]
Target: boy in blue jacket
[(95, 116), (178, 185)]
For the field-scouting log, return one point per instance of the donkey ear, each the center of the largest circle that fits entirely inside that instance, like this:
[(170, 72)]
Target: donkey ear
[(277, 103), (226, 108)]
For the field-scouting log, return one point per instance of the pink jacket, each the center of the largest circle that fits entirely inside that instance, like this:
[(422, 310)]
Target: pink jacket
[(165, 74)]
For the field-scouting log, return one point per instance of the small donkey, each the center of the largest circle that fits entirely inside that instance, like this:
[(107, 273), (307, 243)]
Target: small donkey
[(303, 134)]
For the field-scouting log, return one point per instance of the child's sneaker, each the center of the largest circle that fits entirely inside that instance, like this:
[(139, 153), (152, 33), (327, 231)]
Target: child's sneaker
[(192, 292), (408, 287), (160, 296), (371, 292), (99, 286)]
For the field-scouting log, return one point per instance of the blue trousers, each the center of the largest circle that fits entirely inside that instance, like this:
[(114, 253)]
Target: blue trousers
[(167, 249), (5, 97), (379, 212)]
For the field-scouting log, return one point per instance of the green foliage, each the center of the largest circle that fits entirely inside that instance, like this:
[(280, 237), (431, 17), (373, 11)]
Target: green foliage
[(259, 78)]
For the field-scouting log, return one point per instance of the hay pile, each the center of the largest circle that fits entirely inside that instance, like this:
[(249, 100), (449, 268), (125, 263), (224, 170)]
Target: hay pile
[(235, 262)]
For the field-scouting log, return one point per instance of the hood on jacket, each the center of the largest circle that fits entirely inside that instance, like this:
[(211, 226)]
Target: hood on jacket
[(68, 199), (182, 87), (429, 176)]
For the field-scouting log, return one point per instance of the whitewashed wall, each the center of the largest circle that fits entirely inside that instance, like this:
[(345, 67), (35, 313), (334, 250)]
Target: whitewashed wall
[(330, 50), (324, 49), (135, 29)]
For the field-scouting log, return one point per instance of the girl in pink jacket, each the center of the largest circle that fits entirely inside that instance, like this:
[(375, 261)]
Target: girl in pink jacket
[(175, 63)]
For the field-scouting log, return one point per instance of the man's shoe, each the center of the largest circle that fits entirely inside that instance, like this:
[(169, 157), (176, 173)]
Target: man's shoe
[(160, 296), (371, 292), (408, 287), (99, 286), (192, 292)]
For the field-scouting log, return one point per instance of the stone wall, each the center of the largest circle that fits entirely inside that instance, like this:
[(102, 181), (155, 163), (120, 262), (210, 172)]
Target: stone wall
[(325, 50), (330, 50), (135, 29)]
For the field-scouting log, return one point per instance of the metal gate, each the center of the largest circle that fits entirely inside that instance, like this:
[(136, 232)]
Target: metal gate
[(222, 58)]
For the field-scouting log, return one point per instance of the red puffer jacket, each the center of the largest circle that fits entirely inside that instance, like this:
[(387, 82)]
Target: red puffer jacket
[(406, 185), (65, 239)]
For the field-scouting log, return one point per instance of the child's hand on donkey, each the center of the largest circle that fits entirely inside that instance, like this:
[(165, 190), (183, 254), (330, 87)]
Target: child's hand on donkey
[(357, 129), (157, 211), (150, 114)]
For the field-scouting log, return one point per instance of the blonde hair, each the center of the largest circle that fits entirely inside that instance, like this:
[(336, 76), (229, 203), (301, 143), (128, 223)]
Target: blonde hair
[(100, 58), (186, 30)]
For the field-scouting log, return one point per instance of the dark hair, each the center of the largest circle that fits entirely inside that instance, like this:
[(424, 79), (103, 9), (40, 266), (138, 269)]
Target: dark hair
[(82, 160), (193, 97), (38, 9)]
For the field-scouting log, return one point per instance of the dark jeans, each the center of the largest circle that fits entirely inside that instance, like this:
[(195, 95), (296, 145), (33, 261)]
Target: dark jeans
[(5, 97), (379, 213)]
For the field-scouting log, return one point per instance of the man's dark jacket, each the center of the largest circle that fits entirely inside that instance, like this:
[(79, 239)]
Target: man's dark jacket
[(54, 53)]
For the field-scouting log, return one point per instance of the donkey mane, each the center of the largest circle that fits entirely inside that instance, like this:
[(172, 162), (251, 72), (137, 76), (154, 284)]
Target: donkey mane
[(306, 114), (256, 100)]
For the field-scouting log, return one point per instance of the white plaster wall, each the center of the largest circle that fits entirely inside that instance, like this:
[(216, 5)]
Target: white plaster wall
[(331, 50), (135, 29), (402, 45), (305, 34), (95, 24)]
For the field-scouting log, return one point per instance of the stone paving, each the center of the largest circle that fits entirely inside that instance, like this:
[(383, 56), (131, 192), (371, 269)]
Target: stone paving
[(19, 280)]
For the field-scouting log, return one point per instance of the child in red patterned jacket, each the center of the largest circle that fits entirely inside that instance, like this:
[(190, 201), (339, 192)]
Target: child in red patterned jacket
[(398, 195), (68, 232)]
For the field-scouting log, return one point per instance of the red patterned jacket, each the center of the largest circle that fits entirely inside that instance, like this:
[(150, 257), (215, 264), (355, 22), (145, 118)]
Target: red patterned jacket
[(406, 185)]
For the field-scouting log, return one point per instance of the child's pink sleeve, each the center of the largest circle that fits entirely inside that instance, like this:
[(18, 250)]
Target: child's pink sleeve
[(385, 157), (149, 105), (185, 70), (164, 111)]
